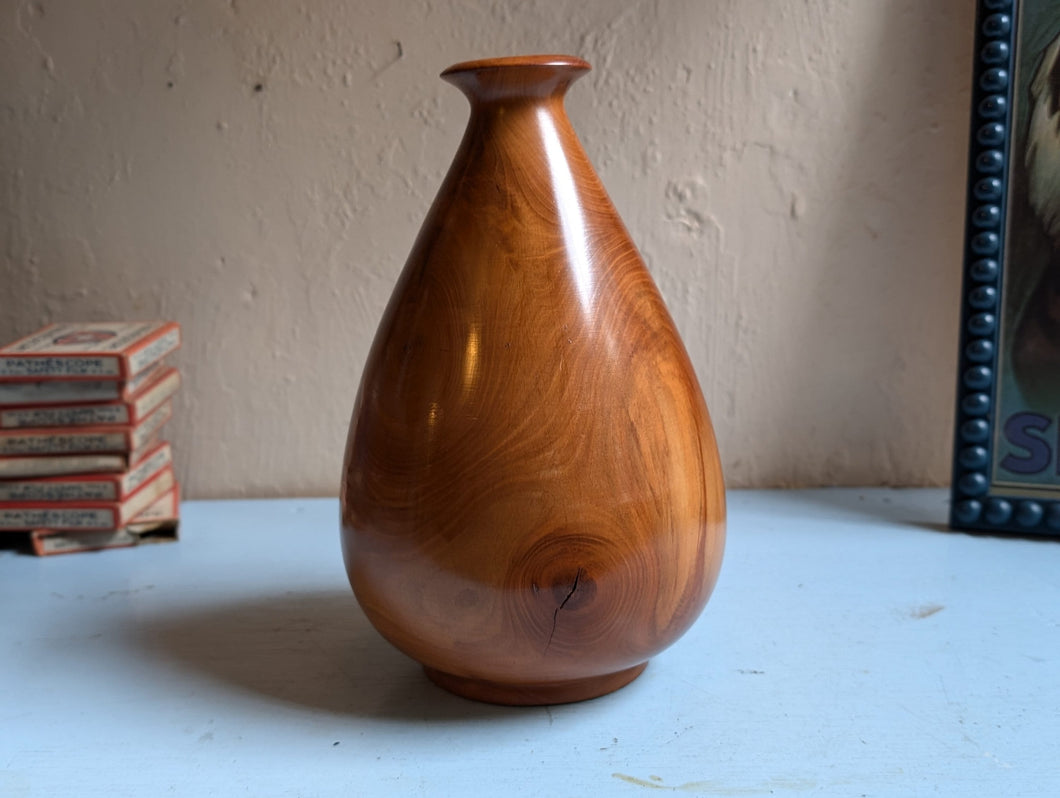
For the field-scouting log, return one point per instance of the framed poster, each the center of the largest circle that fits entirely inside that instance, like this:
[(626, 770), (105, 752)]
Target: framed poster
[(1006, 472)]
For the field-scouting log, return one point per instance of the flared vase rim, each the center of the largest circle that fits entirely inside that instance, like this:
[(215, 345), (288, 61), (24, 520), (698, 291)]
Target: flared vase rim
[(506, 62)]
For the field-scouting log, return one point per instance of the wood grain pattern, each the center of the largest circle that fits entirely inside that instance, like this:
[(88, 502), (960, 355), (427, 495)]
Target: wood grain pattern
[(532, 501)]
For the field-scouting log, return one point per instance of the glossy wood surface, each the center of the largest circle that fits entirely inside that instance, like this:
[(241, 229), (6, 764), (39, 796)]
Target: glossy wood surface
[(532, 502)]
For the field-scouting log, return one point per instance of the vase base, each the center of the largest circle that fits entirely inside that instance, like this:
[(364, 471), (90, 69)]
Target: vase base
[(562, 692)]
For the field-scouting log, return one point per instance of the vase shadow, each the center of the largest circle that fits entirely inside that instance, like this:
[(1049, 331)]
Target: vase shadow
[(314, 650)]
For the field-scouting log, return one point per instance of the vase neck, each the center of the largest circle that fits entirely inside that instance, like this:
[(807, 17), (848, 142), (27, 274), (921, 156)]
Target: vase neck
[(532, 78)]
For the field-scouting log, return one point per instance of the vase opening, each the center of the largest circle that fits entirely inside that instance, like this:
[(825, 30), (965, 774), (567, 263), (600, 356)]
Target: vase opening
[(533, 77)]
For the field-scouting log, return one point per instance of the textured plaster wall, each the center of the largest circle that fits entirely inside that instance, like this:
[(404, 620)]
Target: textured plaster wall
[(257, 169)]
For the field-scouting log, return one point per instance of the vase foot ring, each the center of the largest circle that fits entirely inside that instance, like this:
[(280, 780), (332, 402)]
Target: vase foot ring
[(563, 692)]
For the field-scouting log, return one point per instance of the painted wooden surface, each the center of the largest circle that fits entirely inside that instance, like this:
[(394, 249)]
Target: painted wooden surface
[(852, 647)]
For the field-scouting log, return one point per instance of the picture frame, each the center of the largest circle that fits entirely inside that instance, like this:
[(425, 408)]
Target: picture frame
[(1006, 463)]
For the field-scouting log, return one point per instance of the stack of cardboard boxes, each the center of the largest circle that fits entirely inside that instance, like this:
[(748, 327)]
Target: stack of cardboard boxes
[(83, 464)]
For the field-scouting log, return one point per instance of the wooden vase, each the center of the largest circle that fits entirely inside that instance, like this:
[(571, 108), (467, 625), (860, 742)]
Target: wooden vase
[(532, 501)]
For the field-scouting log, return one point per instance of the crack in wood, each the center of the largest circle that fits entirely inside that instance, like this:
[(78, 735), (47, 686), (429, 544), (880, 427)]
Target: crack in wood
[(555, 615)]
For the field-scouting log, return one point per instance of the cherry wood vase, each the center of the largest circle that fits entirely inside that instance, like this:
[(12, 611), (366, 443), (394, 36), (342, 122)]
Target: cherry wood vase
[(532, 502)]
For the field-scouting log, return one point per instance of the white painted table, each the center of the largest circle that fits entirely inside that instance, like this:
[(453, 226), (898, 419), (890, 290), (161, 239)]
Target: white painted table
[(852, 647)]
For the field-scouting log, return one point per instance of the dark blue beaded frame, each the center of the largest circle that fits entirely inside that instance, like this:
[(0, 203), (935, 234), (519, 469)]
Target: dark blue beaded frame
[(973, 505)]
